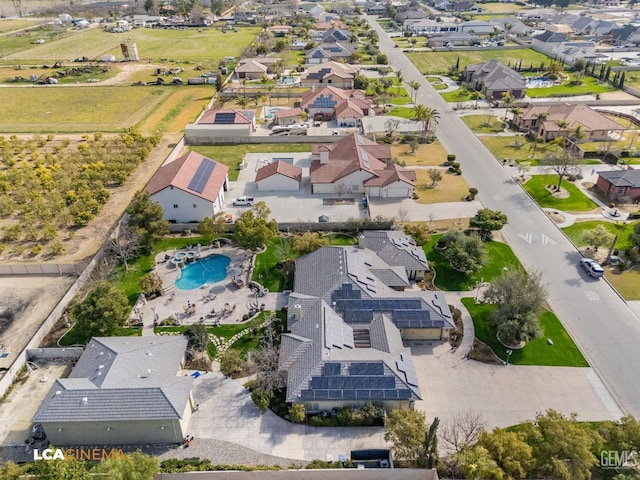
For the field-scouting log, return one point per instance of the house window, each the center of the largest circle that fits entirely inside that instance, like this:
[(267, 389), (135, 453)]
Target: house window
[(621, 191), (328, 81), (175, 205), (195, 205)]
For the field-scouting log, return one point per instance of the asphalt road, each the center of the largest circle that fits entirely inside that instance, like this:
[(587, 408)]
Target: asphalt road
[(600, 322)]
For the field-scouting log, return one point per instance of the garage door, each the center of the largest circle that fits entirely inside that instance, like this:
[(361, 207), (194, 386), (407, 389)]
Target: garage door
[(397, 192), (422, 333)]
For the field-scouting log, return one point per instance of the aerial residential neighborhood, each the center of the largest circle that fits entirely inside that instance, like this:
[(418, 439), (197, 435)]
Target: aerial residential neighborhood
[(341, 238)]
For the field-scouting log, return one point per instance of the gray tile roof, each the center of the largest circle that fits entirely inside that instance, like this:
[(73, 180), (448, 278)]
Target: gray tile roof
[(121, 378), (342, 290), (396, 249), (622, 178)]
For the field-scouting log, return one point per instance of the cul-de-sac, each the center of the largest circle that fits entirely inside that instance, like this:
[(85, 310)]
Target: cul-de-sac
[(287, 239)]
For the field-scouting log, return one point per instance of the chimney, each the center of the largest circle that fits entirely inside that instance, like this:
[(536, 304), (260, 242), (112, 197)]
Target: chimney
[(362, 242), (324, 157), (297, 311)]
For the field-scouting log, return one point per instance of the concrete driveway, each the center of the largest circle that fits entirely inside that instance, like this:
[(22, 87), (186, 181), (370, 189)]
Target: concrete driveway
[(388, 207), (227, 413)]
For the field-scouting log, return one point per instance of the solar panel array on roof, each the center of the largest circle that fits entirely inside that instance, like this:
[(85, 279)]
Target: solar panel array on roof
[(331, 369), (323, 101), (358, 316), (358, 383), (356, 268), (366, 368), (202, 175), (379, 304), (346, 290), (225, 118), (416, 319), (405, 366), (353, 394)]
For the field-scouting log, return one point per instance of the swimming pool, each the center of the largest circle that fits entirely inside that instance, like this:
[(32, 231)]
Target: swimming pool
[(208, 270)]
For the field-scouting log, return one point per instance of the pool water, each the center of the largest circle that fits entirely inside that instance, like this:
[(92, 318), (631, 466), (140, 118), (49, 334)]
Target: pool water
[(208, 270)]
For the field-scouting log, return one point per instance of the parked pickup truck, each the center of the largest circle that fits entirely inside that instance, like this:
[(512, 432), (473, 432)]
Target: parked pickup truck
[(243, 201)]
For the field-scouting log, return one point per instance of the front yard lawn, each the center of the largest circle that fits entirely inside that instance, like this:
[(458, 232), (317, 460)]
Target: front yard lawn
[(575, 231), (403, 112), (563, 352), (499, 257), (505, 147), (576, 202), (428, 154), (452, 188), (483, 123), (627, 283)]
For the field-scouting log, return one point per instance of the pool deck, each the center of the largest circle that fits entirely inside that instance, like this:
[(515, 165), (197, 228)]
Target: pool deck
[(217, 303)]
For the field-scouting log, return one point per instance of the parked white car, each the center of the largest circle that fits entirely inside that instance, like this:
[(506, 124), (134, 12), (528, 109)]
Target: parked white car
[(243, 201), (592, 267)]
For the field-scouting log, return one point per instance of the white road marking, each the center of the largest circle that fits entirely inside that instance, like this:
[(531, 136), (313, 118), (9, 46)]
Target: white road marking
[(526, 237), (548, 241), (497, 198), (592, 296)]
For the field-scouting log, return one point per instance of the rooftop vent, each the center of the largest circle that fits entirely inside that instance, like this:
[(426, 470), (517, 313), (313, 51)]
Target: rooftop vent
[(84, 401)]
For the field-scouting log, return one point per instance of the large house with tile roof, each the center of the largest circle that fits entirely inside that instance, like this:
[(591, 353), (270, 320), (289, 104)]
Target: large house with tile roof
[(329, 52), (356, 164), (122, 391), (551, 121), (347, 318), (620, 184), (346, 106), (189, 188), (332, 73), (397, 250), (494, 79)]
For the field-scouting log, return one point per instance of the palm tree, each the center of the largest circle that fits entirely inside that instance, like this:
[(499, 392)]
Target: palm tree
[(507, 99), (415, 86), (476, 95), (577, 136), (555, 68), (536, 139), (420, 115), (540, 118), (429, 117), (400, 78), (242, 102), (515, 111)]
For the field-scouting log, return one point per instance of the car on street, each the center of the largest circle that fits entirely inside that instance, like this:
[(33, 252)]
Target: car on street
[(592, 267)]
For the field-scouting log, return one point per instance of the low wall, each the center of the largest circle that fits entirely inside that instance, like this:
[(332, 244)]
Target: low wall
[(54, 353), (40, 269), (257, 139), (296, 227)]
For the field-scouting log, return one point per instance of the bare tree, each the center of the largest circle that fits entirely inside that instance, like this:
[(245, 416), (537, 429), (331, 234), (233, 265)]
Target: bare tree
[(402, 215), (563, 165), (435, 176), (124, 244), (391, 125), (340, 189), (462, 430), (266, 360), (17, 4)]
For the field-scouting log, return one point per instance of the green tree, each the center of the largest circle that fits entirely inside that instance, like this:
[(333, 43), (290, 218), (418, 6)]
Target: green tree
[(519, 298), (297, 413), (151, 283), (623, 435), (230, 362), (149, 5), (146, 219), (476, 463), (252, 229), (400, 79), (405, 430), (103, 310), (415, 86), (308, 242), (68, 469), (634, 236), (431, 445), (198, 336), (133, 466), (435, 176), (210, 227), (360, 82), (509, 451), (466, 253), (562, 164), (488, 221), (12, 471), (597, 237), (562, 446), (419, 232)]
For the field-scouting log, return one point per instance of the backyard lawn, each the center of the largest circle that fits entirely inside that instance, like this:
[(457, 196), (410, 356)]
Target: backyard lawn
[(563, 352), (483, 123), (452, 188), (576, 202), (429, 154), (499, 257), (232, 155), (79, 109), (440, 62), (589, 86), (574, 232)]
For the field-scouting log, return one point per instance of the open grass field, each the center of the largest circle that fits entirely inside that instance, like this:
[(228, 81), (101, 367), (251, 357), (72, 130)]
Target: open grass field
[(483, 123), (627, 283), (432, 154), (183, 46), (452, 188), (576, 202), (9, 73), (440, 62), (232, 155), (42, 109), (499, 256), (575, 231), (13, 24), (501, 7), (563, 352)]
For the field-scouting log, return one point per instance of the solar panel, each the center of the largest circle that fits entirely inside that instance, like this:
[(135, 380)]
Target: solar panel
[(202, 175), (366, 368), (225, 118), (404, 393), (331, 369), (335, 394)]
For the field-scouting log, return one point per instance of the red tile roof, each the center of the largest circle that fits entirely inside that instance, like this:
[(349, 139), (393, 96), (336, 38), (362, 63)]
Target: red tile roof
[(289, 112), (574, 115), (180, 173), (281, 167)]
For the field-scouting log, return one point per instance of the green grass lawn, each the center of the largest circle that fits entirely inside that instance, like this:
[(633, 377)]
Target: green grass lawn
[(440, 62), (575, 231), (499, 256), (232, 155), (483, 123), (626, 283), (576, 202), (79, 109), (404, 112), (181, 46), (589, 86), (563, 352), (505, 147), (459, 95)]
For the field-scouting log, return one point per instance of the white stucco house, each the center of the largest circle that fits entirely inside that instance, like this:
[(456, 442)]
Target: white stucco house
[(190, 188), (217, 125), (279, 176)]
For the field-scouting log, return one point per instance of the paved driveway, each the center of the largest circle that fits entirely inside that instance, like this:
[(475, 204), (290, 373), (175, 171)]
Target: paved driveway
[(227, 413), (388, 207)]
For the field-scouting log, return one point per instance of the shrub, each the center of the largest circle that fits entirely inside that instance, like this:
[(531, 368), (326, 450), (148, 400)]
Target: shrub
[(451, 158), (36, 249), (297, 413), (261, 398), (345, 417)]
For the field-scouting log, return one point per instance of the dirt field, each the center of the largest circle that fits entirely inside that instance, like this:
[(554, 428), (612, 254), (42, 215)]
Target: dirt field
[(25, 303)]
